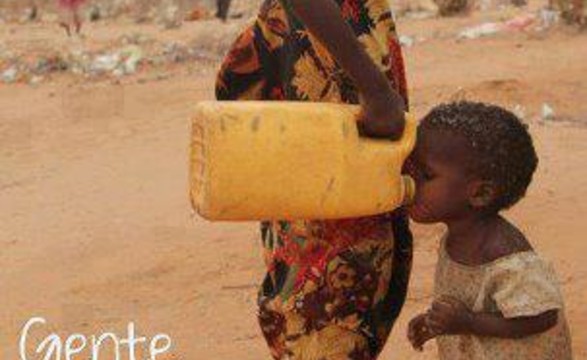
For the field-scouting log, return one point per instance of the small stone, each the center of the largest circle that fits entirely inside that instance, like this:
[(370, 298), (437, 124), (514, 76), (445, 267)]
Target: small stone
[(406, 41), (35, 80), (10, 75), (547, 112)]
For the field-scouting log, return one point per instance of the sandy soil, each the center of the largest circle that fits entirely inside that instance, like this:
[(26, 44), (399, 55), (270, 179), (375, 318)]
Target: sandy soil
[(96, 225)]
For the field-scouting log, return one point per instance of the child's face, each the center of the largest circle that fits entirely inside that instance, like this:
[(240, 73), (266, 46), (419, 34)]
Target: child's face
[(442, 185)]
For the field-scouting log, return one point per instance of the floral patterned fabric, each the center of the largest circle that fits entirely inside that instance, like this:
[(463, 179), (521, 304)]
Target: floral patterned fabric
[(333, 288)]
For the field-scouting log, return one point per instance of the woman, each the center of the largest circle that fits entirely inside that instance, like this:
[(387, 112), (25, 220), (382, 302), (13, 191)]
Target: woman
[(333, 288)]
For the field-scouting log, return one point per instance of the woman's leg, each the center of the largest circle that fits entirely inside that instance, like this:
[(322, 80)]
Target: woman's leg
[(222, 8), (77, 23), (64, 21)]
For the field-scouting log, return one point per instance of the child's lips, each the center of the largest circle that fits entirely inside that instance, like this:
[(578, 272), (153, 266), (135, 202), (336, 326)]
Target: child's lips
[(418, 211)]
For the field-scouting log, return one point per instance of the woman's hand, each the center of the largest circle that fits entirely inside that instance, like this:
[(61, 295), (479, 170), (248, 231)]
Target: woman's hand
[(419, 332), (382, 116)]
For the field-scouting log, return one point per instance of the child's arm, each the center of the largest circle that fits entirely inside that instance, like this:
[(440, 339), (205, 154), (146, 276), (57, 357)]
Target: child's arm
[(383, 108), (450, 316)]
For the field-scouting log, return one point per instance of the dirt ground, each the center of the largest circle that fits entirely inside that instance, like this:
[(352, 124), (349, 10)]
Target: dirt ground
[(97, 229)]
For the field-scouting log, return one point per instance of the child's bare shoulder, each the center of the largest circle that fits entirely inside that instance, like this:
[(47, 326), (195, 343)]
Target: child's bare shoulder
[(506, 239)]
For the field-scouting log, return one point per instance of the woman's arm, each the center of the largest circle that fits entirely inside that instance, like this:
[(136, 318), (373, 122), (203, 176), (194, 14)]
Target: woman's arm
[(383, 108)]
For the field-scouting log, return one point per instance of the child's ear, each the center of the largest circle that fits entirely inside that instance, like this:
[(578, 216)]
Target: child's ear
[(481, 193)]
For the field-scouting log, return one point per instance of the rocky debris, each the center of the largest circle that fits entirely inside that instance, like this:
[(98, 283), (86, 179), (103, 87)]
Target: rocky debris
[(481, 30), (547, 112), (536, 21), (127, 55), (9, 75)]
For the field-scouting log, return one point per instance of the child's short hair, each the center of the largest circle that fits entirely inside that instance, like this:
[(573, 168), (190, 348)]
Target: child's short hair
[(502, 149)]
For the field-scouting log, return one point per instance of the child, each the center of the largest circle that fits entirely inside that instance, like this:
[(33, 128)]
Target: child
[(495, 298)]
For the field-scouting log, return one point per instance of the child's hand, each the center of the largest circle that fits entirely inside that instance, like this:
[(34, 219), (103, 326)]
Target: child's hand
[(419, 332), (449, 316)]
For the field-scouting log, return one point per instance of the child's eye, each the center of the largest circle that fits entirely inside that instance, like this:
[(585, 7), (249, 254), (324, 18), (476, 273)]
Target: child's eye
[(428, 175)]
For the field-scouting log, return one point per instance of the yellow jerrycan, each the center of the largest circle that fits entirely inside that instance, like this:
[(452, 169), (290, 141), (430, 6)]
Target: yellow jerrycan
[(254, 160)]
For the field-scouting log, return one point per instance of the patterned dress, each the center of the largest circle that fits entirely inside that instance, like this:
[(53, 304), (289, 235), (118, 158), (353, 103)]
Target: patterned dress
[(333, 288), (516, 285)]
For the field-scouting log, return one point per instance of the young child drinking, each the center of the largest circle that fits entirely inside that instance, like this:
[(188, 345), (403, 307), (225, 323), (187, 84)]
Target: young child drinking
[(495, 298)]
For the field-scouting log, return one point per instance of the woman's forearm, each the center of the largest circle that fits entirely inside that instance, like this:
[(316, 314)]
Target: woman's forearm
[(382, 107), (323, 19)]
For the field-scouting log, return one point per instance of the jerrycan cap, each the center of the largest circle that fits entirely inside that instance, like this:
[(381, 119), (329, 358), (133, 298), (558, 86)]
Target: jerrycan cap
[(409, 187)]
